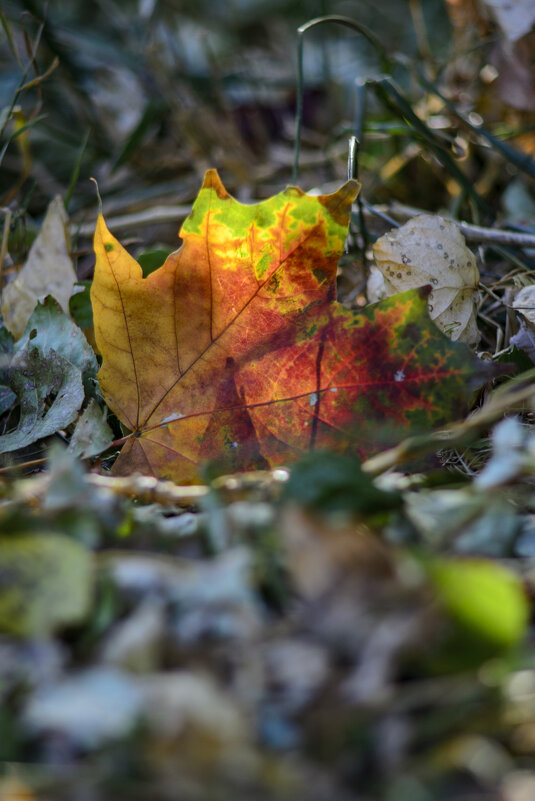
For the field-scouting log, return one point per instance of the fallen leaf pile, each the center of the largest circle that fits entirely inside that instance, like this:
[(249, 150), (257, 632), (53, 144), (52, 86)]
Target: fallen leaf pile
[(243, 647), (267, 523), (324, 629), (236, 352)]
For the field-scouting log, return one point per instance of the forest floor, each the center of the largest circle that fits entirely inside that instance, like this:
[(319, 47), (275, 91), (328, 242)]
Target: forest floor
[(331, 627)]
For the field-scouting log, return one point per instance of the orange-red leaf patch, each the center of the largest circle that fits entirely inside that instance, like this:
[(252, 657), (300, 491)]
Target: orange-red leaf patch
[(236, 350)]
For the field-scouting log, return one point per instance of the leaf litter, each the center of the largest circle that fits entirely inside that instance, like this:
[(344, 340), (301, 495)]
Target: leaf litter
[(316, 610), (334, 695)]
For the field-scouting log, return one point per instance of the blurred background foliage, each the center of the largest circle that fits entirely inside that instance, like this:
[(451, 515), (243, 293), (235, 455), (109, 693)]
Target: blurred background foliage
[(145, 96), (160, 88)]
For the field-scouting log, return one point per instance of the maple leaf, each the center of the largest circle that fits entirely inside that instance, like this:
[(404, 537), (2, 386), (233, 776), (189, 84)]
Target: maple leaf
[(236, 351)]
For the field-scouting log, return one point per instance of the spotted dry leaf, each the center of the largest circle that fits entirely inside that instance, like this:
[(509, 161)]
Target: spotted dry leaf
[(431, 250)]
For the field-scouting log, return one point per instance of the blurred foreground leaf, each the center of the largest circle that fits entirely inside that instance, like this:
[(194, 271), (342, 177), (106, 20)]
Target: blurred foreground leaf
[(45, 582), (484, 598), (335, 482)]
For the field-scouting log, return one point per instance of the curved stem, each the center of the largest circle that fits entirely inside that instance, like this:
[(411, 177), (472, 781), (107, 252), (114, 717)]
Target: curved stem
[(348, 23)]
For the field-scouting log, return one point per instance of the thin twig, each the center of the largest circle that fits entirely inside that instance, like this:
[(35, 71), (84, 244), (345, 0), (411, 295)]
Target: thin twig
[(418, 22), (149, 489), (22, 81), (165, 214), (40, 78), (123, 222), (476, 233), (472, 233), (144, 488), (17, 466)]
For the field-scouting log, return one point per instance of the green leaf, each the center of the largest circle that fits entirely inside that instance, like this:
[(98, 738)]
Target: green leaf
[(335, 482), (45, 582), (152, 260), (484, 599), (516, 356), (50, 393), (80, 307)]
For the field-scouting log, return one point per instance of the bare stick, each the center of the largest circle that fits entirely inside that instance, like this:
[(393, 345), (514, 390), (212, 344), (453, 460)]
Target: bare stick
[(165, 214)]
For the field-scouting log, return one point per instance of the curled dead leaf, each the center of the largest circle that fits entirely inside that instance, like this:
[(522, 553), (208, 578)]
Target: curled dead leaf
[(430, 250)]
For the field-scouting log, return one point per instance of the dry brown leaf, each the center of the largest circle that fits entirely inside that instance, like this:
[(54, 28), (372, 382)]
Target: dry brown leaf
[(430, 250), (321, 556), (48, 271), (525, 304)]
